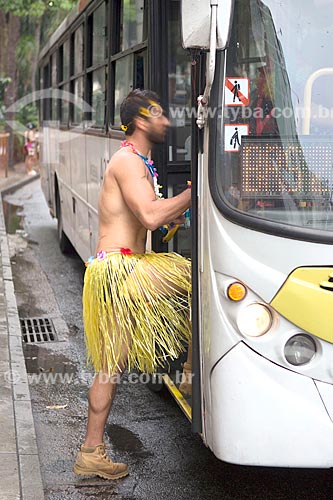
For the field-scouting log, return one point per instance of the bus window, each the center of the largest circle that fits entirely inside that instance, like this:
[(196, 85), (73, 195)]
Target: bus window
[(77, 106), (63, 76), (99, 35), (97, 84), (54, 105), (77, 84), (140, 69), (46, 85), (179, 70), (97, 53), (123, 83), (64, 108), (64, 61), (132, 23), (78, 50)]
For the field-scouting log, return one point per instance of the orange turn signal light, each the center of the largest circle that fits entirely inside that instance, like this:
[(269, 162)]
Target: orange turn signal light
[(236, 291)]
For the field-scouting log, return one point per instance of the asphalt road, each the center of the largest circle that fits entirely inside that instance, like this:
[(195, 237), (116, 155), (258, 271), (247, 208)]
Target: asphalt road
[(147, 430)]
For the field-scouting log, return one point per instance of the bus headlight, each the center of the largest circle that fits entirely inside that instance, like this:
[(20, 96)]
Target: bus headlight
[(299, 349), (254, 320)]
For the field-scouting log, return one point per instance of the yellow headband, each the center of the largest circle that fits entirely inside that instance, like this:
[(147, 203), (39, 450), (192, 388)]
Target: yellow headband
[(144, 112)]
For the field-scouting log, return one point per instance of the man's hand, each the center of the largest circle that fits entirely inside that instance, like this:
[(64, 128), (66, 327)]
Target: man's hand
[(179, 220)]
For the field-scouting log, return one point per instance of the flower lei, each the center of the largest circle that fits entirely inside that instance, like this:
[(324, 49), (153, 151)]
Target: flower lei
[(149, 164), (102, 254)]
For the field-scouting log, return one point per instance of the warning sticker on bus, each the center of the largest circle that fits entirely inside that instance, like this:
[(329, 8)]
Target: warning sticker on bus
[(233, 137), (237, 91)]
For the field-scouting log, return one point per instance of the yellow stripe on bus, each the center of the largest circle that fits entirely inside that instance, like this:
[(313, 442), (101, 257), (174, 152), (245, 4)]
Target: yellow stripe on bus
[(306, 299), (181, 401)]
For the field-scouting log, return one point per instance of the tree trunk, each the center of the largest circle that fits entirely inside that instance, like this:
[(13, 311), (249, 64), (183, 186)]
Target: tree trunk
[(13, 26), (36, 53), (3, 44)]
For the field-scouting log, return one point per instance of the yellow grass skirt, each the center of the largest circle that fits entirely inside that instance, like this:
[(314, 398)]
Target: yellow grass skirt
[(136, 302)]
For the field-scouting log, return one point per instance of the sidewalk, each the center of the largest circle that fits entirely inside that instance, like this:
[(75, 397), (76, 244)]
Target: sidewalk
[(20, 477), (17, 177)]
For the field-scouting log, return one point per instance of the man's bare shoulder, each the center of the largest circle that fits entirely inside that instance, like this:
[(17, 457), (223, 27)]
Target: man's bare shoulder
[(124, 162)]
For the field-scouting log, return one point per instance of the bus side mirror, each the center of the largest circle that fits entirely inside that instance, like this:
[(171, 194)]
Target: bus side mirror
[(196, 20)]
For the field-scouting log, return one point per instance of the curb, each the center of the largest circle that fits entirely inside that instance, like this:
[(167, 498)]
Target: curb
[(25, 479), (19, 184)]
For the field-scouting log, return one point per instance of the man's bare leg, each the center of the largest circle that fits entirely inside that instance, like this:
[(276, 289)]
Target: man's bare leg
[(92, 458), (101, 395), (100, 399)]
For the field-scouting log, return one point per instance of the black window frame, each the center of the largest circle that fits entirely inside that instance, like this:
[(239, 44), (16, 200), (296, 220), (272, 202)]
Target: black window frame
[(117, 54), (80, 23), (90, 67)]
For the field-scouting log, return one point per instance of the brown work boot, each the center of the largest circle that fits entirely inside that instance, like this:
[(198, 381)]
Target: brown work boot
[(186, 385), (95, 461)]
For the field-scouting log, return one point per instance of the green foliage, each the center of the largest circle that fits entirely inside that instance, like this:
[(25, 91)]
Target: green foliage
[(3, 84), (34, 8), (25, 51), (48, 12), (29, 113), (52, 19)]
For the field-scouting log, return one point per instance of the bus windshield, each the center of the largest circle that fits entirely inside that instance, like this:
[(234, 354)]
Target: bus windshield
[(275, 135)]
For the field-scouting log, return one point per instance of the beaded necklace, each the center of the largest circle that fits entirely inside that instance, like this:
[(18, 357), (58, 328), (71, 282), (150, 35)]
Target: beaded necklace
[(149, 164)]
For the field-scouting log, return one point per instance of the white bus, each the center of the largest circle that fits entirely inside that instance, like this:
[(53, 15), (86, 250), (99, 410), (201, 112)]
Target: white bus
[(262, 173)]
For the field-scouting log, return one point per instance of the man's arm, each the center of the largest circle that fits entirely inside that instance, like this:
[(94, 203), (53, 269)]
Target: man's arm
[(138, 193)]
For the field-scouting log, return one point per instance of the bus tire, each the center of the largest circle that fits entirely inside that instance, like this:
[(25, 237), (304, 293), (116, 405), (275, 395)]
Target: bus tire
[(64, 244)]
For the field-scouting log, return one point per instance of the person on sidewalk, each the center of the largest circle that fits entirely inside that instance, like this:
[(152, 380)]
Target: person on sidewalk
[(30, 148), (135, 303)]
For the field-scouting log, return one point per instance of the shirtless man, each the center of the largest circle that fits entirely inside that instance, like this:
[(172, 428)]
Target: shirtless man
[(121, 325)]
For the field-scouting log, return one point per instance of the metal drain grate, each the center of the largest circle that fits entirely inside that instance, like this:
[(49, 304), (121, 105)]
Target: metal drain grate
[(35, 330)]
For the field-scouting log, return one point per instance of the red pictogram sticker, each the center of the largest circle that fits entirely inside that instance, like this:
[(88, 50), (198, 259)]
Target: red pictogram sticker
[(237, 91)]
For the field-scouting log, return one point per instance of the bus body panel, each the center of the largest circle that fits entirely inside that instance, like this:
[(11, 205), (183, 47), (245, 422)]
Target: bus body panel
[(326, 393), (267, 415), (79, 193), (264, 261), (66, 204), (78, 165), (82, 233), (45, 161), (96, 156)]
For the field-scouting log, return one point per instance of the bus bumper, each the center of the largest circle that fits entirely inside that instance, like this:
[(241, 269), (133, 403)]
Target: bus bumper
[(262, 414)]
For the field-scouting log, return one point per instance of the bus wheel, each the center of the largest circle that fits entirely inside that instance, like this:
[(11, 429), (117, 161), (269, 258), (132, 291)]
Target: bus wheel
[(65, 245)]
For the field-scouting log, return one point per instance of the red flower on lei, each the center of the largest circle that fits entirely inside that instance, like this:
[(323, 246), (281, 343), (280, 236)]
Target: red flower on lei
[(126, 251)]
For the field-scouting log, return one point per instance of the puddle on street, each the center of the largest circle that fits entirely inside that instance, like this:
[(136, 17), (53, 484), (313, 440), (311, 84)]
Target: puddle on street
[(13, 217), (39, 359), (124, 440)]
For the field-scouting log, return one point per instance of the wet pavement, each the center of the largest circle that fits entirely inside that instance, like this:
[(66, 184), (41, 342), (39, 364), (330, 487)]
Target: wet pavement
[(145, 429)]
